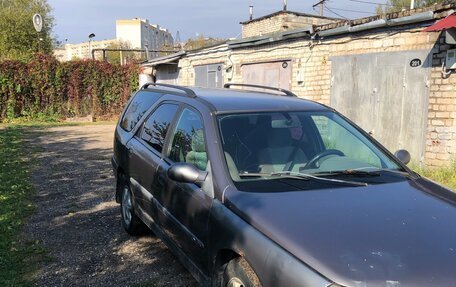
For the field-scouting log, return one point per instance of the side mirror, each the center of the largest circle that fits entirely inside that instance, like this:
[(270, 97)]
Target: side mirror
[(186, 172), (403, 156)]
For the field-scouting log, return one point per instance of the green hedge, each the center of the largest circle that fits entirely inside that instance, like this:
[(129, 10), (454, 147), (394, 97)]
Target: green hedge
[(47, 89)]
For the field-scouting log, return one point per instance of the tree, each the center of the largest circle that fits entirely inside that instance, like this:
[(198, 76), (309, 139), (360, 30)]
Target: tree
[(18, 38), (201, 42), (114, 56), (398, 5)]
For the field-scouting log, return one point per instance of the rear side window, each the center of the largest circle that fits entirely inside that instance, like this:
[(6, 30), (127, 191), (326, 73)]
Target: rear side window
[(139, 105), (157, 125)]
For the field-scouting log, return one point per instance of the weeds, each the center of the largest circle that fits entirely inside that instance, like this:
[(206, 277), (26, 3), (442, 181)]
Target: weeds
[(18, 256), (442, 175)]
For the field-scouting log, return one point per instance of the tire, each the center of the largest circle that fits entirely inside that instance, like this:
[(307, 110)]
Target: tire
[(238, 273), (130, 221)]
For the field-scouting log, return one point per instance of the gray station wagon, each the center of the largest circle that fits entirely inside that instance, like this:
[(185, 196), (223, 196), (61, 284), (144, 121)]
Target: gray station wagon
[(255, 188)]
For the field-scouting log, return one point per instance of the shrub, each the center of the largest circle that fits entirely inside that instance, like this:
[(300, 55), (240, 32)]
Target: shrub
[(46, 88)]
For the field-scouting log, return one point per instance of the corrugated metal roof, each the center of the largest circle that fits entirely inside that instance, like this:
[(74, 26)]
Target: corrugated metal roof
[(269, 38), (447, 23), (164, 60)]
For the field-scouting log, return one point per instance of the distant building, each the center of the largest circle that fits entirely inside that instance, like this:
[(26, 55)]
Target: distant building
[(135, 34), (81, 51), (141, 35)]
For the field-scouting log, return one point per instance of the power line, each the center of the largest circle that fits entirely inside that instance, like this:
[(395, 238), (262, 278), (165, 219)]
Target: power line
[(335, 13), (354, 11), (372, 3), (320, 3)]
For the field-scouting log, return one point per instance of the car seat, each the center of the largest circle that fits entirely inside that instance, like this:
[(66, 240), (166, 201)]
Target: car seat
[(281, 154), (197, 156)]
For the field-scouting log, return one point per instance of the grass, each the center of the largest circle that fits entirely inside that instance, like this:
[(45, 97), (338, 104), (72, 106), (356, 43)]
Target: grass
[(442, 175), (42, 124), (18, 256)]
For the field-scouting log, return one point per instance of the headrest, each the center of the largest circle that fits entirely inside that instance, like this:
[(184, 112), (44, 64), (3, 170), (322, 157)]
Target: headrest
[(198, 141), (279, 137)]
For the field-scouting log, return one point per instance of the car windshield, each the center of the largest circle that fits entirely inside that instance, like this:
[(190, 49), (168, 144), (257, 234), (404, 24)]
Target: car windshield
[(257, 146)]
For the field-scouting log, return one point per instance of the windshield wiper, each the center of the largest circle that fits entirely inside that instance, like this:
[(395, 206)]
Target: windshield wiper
[(302, 176), (349, 172), (378, 170), (363, 172)]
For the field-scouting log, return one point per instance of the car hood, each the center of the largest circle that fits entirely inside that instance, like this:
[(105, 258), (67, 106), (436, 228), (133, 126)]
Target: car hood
[(395, 234)]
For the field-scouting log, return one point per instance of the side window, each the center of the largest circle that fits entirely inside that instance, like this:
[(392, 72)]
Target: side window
[(138, 106), (157, 125), (188, 143)]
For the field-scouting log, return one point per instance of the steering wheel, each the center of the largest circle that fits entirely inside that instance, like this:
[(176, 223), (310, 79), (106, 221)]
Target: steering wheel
[(313, 162)]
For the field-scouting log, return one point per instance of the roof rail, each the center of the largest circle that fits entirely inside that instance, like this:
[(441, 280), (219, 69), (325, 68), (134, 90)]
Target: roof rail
[(188, 92), (286, 92)]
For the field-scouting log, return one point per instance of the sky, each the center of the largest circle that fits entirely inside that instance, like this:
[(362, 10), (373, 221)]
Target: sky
[(76, 19)]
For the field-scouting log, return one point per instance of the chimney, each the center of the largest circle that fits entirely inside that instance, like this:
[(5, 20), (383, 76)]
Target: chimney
[(284, 5), (251, 12)]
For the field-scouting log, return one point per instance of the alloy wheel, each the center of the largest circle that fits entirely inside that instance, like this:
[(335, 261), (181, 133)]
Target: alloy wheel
[(126, 206)]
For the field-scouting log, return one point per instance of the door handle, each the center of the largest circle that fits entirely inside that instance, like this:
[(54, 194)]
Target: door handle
[(161, 178), (129, 151)]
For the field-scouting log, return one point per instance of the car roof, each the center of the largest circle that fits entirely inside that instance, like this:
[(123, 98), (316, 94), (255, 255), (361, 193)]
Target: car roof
[(236, 100)]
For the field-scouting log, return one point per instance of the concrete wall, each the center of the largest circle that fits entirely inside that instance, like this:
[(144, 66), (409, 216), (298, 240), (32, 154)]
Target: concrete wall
[(129, 31), (311, 73)]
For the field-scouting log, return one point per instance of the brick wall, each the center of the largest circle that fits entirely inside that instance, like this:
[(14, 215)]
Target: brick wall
[(441, 133), (281, 21)]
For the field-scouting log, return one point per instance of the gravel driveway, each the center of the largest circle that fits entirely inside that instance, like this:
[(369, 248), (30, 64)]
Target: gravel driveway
[(78, 221)]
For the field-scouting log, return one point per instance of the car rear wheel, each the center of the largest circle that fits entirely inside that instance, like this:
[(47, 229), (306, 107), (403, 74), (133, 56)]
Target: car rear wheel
[(130, 221), (238, 273)]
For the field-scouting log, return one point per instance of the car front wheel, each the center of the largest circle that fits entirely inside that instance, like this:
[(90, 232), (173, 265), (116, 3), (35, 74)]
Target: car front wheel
[(130, 221), (238, 273)]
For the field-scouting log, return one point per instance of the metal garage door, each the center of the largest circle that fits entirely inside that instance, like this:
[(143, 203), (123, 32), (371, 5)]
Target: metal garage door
[(274, 74), (167, 74), (387, 95), (209, 76)]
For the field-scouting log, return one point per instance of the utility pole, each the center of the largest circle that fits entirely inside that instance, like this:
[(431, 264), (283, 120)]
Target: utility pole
[(320, 3)]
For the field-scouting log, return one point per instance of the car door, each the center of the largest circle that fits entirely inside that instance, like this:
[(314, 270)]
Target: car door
[(145, 152), (187, 204)]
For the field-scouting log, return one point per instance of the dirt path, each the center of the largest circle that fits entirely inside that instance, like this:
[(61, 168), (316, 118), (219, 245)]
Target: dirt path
[(78, 221)]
